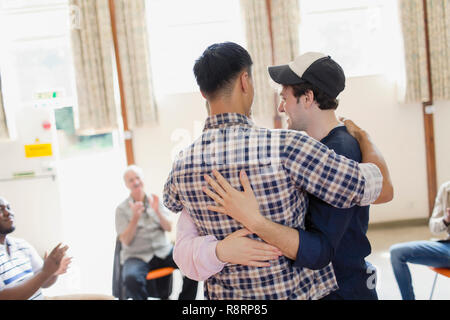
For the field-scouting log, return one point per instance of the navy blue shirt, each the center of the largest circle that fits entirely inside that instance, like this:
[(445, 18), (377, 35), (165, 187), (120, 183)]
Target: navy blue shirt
[(339, 235)]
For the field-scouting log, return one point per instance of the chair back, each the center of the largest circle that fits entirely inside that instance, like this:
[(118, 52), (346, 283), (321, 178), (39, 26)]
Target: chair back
[(162, 278), (117, 283)]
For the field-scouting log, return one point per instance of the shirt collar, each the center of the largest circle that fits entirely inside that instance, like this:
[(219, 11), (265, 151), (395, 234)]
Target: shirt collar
[(340, 125), (7, 243), (226, 120)]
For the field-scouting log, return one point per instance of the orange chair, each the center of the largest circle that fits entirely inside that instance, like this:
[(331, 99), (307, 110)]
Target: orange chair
[(164, 284), (159, 273), (443, 271)]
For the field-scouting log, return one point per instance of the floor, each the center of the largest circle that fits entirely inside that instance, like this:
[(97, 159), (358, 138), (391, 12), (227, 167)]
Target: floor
[(381, 238)]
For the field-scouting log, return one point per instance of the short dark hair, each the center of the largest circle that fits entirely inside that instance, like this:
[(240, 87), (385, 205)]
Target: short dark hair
[(323, 100), (219, 65)]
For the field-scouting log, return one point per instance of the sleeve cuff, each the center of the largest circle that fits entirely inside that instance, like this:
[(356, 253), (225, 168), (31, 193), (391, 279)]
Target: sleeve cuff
[(211, 256), (309, 251), (207, 263), (373, 183)]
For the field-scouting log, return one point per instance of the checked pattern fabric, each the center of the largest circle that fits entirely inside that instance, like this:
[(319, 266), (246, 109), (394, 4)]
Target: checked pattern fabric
[(282, 165)]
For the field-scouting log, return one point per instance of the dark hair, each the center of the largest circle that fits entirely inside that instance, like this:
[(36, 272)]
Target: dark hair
[(218, 66), (322, 99)]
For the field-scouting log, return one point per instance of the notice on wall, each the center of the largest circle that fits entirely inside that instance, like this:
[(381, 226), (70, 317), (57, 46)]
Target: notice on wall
[(38, 150)]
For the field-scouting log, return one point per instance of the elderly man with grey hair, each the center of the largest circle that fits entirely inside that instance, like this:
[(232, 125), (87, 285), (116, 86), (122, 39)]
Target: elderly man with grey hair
[(141, 223)]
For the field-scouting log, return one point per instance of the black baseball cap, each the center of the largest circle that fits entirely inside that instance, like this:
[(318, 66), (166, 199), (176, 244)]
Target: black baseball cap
[(316, 68)]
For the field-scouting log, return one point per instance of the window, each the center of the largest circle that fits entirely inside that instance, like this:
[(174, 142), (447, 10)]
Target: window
[(37, 74), (70, 144), (180, 31), (37, 56), (38, 68), (27, 4), (361, 35)]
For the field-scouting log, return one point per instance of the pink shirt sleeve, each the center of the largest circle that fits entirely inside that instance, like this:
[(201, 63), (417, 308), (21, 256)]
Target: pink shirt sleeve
[(194, 255)]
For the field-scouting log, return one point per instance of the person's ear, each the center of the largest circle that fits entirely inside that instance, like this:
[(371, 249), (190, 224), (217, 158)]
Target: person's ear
[(203, 94), (309, 98), (245, 82)]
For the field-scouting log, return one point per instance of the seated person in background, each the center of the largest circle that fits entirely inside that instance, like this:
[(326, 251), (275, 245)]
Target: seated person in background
[(429, 253), (141, 223), (22, 271)]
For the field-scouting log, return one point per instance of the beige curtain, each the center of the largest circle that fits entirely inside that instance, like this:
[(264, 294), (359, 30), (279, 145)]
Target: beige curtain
[(412, 20), (259, 46), (92, 48), (93, 51), (284, 21), (439, 29), (135, 62), (3, 126)]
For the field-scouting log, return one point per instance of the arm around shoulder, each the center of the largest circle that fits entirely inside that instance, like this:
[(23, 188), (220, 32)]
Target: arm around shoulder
[(371, 154)]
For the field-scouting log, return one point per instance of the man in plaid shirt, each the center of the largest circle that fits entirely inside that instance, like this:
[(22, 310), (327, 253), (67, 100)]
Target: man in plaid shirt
[(282, 165)]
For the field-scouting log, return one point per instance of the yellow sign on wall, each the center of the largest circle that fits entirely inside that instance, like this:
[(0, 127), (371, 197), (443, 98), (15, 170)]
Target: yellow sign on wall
[(38, 150)]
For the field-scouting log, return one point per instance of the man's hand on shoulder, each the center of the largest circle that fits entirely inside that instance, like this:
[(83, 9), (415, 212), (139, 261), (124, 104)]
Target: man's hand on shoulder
[(371, 154), (353, 129)]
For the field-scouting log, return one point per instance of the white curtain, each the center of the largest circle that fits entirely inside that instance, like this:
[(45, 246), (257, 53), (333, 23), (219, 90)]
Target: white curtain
[(135, 62), (413, 27), (3, 125), (93, 51), (92, 48), (284, 23)]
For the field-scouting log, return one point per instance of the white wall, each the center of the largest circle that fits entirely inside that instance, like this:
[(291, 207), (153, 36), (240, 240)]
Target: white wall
[(35, 201), (371, 102), (397, 130), (442, 140), (77, 208), (181, 119)]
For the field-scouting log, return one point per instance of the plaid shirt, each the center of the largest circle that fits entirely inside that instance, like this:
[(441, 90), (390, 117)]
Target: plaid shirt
[(282, 165)]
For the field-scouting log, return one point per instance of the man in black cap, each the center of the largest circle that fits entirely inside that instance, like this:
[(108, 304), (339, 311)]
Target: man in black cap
[(310, 86)]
